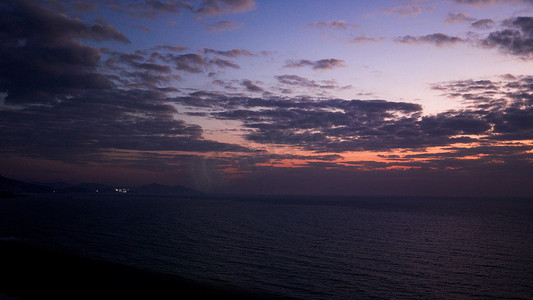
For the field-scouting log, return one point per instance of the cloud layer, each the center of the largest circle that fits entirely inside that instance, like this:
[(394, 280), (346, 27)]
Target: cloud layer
[(322, 64), (514, 37), (41, 56), (76, 91)]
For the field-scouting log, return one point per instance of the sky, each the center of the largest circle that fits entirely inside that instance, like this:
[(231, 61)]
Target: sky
[(414, 97)]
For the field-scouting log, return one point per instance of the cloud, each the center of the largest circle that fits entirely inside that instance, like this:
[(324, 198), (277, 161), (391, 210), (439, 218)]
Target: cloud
[(339, 24), (170, 48), (295, 80), (224, 26), (228, 53), (197, 63), (506, 105), (210, 8), (94, 110), (48, 26), (173, 7), (93, 123), (406, 10), (483, 24), (153, 8), (250, 86), (515, 37), (222, 63), (327, 125), (365, 39), (322, 64), (139, 69), (516, 40), (42, 57), (192, 63), (494, 111), (150, 8), (458, 18), (438, 39), (482, 3)]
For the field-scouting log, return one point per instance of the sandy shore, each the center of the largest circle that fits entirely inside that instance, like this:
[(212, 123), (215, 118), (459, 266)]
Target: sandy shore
[(31, 272)]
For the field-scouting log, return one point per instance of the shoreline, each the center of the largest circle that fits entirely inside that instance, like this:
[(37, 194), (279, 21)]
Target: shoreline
[(34, 272)]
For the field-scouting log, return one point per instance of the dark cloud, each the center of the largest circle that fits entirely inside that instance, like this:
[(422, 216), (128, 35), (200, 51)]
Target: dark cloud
[(139, 69), (339, 24), (24, 20), (193, 63), (228, 53), (197, 63), (322, 64), (438, 39), (516, 40), (515, 36), (492, 151), (455, 123), (95, 111), (222, 63), (467, 86), (41, 56), (458, 18), (219, 7), (170, 48), (484, 24), (250, 86), (494, 111), (327, 125), (296, 80), (506, 105), (152, 67), (92, 124)]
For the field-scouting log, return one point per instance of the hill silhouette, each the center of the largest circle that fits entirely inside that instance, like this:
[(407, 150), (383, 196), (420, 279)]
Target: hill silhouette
[(9, 187)]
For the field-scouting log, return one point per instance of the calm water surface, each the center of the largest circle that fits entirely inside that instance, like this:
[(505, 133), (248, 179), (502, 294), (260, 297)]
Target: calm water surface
[(310, 248)]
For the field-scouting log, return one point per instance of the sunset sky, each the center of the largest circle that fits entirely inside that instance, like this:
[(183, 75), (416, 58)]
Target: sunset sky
[(415, 97)]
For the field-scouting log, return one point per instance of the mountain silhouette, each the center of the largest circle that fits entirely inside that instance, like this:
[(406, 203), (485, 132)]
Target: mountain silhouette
[(11, 186)]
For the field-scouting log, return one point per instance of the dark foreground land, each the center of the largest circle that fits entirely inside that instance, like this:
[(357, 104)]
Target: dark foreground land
[(30, 272)]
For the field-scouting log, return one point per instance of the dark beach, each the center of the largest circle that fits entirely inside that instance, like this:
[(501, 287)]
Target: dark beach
[(32, 272)]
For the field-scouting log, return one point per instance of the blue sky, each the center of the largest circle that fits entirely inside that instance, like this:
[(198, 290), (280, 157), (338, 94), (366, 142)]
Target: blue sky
[(234, 95), (374, 64)]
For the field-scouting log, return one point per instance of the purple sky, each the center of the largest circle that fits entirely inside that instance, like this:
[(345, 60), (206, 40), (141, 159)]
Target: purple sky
[(413, 97)]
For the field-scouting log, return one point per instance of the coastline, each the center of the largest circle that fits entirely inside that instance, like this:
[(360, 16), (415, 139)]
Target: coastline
[(33, 272)]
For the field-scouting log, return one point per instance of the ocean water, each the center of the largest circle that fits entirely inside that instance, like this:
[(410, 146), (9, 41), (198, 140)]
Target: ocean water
[(309, 248)]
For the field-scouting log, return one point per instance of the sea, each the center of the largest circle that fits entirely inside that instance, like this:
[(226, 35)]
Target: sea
[(301, 247)]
